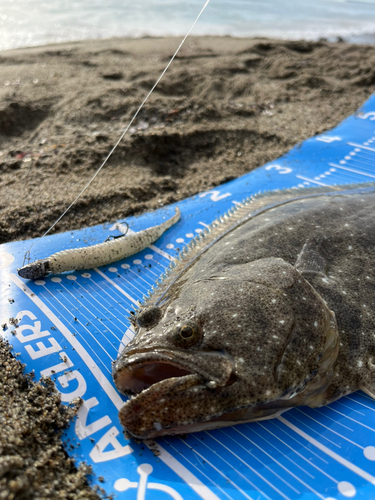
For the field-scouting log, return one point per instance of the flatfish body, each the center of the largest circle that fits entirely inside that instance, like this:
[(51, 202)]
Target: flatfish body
[(274, 308)]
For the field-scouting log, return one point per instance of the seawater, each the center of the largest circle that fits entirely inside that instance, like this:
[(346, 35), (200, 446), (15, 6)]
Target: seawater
[(30, 22)]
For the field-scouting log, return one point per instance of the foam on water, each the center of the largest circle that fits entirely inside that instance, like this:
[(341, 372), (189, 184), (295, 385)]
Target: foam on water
[(26, 22)]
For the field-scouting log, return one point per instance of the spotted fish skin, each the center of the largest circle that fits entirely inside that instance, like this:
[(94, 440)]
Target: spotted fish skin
[(277, 310)]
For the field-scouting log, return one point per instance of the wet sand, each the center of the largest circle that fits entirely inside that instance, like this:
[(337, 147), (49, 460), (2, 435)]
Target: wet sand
[(225, 107)]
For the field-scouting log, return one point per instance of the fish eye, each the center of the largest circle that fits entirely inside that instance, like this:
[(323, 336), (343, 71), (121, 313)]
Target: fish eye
[(148, 316), (186, 331), (187, 334)]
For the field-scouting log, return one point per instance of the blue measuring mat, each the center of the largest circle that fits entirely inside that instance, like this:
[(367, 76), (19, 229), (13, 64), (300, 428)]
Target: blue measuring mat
[(71, 326)]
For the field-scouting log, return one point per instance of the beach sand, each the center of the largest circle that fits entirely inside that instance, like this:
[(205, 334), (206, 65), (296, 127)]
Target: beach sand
[(225, 107)]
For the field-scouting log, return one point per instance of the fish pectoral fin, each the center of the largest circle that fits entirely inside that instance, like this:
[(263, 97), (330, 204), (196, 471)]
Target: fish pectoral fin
[(368, 384), (311, 259), (291, 373), (369, 389)]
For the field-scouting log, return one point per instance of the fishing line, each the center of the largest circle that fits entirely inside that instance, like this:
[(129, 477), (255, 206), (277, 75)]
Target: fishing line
[(27, 253)]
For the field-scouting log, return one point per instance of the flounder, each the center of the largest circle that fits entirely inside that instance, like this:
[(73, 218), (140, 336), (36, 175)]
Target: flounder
[(273, 307)]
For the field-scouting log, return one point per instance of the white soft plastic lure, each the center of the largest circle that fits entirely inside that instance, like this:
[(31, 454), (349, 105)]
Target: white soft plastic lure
[(96, 255)]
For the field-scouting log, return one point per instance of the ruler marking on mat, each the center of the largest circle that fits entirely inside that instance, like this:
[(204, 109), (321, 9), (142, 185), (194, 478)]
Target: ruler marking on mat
[(341, 460), (352, 170), (361, 146), (311, 180), (117, 287)]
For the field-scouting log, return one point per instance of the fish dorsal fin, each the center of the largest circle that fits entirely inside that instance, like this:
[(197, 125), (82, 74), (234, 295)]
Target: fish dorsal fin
[(233, 218)]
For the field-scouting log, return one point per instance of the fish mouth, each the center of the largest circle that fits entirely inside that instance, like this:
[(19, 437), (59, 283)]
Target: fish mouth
[(139, 371), (141, 375), (151, 379)]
